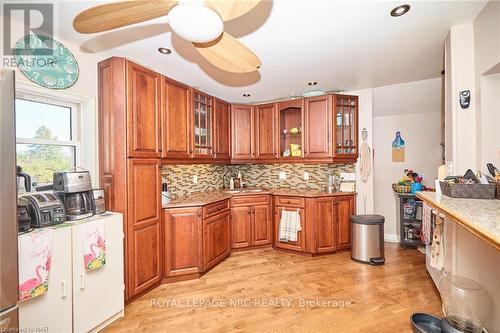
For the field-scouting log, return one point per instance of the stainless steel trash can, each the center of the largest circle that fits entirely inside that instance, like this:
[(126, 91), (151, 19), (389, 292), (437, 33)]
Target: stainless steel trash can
[(367, 239)]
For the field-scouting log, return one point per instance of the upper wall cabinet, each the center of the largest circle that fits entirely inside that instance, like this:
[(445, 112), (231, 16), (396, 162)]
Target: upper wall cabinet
[(202, 120), (345, 128), (318, 127), (175, 120), (222, 130), (265, 131), (143, 111), (243, 132), (290, 119)]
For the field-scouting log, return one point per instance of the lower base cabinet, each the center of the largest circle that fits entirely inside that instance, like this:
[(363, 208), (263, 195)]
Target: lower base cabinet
[(216, 239), (78, 300), (251, 221)]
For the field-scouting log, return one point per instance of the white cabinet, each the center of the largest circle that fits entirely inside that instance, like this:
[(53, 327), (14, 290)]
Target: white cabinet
[(98, 294), (53, 309), (78, 300)]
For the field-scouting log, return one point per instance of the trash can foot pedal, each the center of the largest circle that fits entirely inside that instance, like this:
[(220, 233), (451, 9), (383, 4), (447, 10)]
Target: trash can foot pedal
[(377, 261)]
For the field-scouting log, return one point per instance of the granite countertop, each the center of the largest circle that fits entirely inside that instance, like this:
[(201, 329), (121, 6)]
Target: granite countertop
[(205, 198), (481, 217)]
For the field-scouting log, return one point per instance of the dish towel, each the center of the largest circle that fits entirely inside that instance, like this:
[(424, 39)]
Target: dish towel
[(35, 255), (289, 226), (437, 249), (94, 244), (425, 236), (365, 161)]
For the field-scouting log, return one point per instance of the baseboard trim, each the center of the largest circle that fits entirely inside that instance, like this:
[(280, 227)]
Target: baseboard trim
[(391, 238)]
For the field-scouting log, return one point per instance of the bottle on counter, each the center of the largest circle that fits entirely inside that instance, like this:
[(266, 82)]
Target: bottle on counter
[(231, 183)]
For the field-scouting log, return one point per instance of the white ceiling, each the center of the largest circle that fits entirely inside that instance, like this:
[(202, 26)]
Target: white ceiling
[(345, 45)]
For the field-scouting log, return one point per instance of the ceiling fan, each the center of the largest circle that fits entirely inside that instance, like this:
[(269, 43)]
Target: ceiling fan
[(198, 21)]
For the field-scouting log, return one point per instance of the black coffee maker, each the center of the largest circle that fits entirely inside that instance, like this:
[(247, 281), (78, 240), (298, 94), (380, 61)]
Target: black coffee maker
[(23, 186)]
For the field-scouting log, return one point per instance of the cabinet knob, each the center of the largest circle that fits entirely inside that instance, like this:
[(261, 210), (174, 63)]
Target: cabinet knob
[(160, 150)]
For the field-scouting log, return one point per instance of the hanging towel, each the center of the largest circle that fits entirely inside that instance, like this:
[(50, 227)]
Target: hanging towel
[(437, 250), (425, 236), (365, 161), (94, 244), (35, 255), (289, 226)]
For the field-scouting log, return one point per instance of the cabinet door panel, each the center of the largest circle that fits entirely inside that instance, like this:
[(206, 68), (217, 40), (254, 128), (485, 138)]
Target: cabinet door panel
[(222, 124), (143, 112), (144, 251), (326, 225), (183, 237), (242, 131), (345, 208), (299, 245), (176, 129), (216, 239), (241, 227), (318, 131), (265, 131), (261, 233)]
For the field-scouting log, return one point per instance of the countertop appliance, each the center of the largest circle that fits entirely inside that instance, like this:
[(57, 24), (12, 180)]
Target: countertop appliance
[(74, 188), (45, 209), (23, 218), (9, 279), (98, 202), (23, 181)]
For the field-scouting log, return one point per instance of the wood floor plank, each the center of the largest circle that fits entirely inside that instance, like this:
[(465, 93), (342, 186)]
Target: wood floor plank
[(381, 296)]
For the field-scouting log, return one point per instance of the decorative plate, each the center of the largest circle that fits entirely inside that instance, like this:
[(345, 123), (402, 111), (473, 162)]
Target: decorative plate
[(46, 62)]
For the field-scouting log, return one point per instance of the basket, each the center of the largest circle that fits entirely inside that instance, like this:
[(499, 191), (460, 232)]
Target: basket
[(401, 188), (471, 191)]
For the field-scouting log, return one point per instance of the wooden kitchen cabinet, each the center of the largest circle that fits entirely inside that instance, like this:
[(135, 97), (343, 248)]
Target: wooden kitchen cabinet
[(326, 225), (318, 127), (175, 120), (183, 241), (143, 237), (290, 115), (346, 207), (262, 225), (216, 239), (222, 130), (241, 227), (143, 111), (242, 132), (266, 146), (251, 221), (202, 120), (345, 125), (300, 244)]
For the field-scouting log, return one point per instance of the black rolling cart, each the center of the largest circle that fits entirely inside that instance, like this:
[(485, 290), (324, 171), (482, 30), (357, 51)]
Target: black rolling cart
[(410, 212)]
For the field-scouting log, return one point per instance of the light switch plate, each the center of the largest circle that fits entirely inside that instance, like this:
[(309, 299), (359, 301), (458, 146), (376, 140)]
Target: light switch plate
[(306, 175), (282, 175), (195, 179)]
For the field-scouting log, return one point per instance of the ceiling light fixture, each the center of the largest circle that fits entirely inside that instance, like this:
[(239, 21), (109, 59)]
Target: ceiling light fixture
[(313, 93), (246, 95), (195, 22), (164, 50), (312, 83), (400, 10)]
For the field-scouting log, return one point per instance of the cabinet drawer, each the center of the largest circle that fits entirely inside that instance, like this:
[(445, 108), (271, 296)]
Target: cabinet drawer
[(215, 208), (290, 201), (250, 200)]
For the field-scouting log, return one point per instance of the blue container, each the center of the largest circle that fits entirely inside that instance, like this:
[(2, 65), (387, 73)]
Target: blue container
[(415, 187)]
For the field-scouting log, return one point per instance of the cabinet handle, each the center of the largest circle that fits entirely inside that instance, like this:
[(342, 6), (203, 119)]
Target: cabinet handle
[(159, 166), (63, 288), (82, 281), (160, 150)]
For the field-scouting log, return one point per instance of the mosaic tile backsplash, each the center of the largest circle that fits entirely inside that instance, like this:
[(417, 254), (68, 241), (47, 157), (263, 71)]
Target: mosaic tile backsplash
[(214, 176)]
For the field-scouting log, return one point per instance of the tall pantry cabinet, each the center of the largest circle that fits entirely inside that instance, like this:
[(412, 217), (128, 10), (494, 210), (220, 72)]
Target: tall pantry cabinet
[(130, 148)]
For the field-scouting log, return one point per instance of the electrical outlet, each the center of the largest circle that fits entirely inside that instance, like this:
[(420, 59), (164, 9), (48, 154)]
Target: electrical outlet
[(306, 175), (282, 175), (195, 179)]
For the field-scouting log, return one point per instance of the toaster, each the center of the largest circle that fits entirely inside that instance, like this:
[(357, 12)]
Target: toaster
[(45, 209)]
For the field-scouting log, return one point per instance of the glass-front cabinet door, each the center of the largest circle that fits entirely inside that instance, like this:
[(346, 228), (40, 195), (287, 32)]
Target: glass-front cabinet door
[(202, 124), (345, 127)]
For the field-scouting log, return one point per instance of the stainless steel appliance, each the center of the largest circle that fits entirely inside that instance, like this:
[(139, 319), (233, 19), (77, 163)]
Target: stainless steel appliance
[(98, 201), (8, 205), (45, 209), (74, 188), (367, 239)]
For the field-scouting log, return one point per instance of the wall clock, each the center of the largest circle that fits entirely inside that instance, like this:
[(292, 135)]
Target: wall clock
[(46, 62)]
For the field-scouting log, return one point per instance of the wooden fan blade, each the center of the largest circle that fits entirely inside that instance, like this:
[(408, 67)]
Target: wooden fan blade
[(230, 9), (229, 54), (119, 14)]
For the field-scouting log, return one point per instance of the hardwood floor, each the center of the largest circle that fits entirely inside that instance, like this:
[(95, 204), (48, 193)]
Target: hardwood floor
[(381, 298)]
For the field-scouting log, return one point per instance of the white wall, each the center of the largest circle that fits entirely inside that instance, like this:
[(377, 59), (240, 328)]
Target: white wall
[(420, 128)]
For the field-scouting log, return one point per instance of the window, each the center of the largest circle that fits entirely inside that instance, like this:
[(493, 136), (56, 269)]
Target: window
[(48, 137)]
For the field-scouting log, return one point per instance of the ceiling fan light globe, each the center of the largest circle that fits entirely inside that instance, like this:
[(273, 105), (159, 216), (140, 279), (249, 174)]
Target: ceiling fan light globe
[(195, 23)]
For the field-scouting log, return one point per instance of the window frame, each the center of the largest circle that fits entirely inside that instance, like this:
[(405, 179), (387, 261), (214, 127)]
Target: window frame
[(75, 119)]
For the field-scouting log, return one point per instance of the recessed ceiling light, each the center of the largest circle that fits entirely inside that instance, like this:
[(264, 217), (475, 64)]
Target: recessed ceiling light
[(246, 95), (164, 50), (400, 10), (312, 83)]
